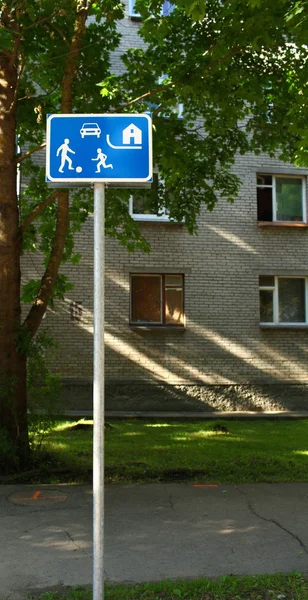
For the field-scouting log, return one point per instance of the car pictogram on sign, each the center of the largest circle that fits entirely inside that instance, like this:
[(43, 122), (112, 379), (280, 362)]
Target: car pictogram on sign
[(90, 129)]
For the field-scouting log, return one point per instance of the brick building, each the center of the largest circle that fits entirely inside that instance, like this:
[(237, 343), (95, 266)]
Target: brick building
[(213, 321)]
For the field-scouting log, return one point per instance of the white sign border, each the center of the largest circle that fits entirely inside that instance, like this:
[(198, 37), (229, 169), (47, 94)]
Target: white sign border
[(89, 180)]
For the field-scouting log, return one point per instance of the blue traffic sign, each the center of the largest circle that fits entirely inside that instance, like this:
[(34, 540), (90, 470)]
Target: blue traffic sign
[(98, 148)]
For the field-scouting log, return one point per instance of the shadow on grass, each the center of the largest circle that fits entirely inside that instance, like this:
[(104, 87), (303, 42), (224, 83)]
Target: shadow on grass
[(219, 452)]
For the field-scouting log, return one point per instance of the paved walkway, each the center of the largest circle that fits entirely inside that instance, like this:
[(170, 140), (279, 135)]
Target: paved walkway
[(152, 532)]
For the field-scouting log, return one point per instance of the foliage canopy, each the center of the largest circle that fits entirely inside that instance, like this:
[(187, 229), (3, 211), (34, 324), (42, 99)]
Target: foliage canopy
[(239, 69)]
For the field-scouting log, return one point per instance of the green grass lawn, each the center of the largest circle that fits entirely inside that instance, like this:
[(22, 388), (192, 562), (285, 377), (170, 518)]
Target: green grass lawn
[(293, 586), (251, 451)]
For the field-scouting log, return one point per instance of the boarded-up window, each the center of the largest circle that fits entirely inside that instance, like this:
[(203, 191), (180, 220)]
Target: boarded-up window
[(157, 299), (146, 299)]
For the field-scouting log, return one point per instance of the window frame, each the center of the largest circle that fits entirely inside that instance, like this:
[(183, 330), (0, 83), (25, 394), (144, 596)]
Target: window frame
[(275, 176), (179, 108), (163, 285), (166, 9), (131, 10), (275, 289), (163, 217)]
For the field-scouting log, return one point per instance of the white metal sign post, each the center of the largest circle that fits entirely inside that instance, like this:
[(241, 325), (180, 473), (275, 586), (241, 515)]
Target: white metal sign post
[(82, 150), (98, 392)]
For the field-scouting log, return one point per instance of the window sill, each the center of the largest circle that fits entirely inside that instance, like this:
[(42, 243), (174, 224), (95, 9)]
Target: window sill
[(164, 328), (284, 326), (153, 219), (281, 224)]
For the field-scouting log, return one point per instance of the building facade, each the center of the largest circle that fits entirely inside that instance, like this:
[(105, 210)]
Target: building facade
[(217, 321)]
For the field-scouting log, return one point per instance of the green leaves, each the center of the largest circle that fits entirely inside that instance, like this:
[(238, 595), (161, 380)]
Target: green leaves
[(6, 39), (31, 12), (30, 291), (196, 9), (297, 10), (31, 288), (224, 63)]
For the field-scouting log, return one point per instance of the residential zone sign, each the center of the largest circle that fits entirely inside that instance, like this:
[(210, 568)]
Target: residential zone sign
[(99, 148)]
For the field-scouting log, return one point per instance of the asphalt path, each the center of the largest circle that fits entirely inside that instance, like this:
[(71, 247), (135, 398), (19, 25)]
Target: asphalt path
[(153, 532)]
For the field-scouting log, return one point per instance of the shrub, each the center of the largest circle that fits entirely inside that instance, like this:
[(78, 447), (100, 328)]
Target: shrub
[(8, 459), (44, 389)]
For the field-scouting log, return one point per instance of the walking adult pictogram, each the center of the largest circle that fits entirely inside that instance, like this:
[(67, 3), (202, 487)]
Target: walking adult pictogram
[(63, 150)]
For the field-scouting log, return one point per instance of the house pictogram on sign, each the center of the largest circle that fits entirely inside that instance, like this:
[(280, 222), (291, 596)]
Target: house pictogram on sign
[(132, 135), (131, 138)]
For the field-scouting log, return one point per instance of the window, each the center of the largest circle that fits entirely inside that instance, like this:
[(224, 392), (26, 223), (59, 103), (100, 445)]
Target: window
[(146, 207), (283, 300), (281, 198), (157, 300), (178, 109), (166, 9), (131, 9)]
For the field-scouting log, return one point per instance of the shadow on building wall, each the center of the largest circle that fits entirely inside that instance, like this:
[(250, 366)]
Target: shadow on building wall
[(222, 361), (199, 369)]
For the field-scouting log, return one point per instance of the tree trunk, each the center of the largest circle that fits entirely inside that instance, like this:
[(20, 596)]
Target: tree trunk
[(13, 365), (13, 396), (39, 307)]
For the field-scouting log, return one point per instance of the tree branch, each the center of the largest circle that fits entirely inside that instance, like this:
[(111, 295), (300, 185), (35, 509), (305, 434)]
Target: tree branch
[(156, 112), (37, 211), (38, 309), (172, 83), (60, 33), (145, 95), (43, 20), (73, 55), (29, 152)]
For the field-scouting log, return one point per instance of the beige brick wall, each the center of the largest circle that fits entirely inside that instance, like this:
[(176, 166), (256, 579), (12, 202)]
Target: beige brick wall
[(222, 342)]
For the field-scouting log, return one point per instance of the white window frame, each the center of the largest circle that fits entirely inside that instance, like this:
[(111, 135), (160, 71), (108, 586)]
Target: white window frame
[(142, 217), (179, 108), (274, 200), (167, 6), (274, 288), (131, 9), (163, 217)]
